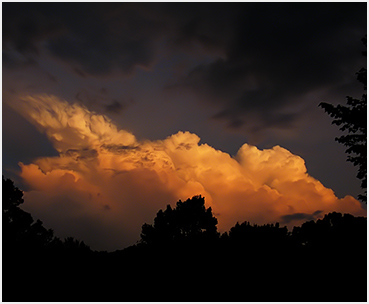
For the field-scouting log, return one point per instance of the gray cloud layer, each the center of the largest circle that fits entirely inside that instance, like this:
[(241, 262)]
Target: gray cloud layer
[(278, 54)]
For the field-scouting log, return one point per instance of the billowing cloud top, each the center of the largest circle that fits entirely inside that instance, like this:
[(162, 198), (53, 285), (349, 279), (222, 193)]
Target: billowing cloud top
[(105, 183)]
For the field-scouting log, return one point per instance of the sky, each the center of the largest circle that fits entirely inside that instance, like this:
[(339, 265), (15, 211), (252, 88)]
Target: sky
[(111, 111)]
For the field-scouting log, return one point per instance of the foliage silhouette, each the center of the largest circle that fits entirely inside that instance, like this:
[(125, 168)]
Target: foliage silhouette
[(189, 221), (334, 232), (182, 257), (31, 251), (352, 118), (19, 229), (264, 236), (336, 245)]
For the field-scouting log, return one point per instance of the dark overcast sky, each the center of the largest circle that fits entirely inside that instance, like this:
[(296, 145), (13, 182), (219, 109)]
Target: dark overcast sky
[(232, 73)]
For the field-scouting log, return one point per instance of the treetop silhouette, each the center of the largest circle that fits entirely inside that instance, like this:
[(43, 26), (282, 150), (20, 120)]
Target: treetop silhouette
[(183, 252), (19, 228), (189, 220)]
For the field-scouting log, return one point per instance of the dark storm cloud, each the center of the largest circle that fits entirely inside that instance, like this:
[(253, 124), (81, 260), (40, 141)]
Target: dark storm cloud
[(94, 37), (16, 60), (82, 154), (300, 216), (101, 100), (114, 107), (26, 24), (269, 55), (106, 40), (277, 54), (120, 149)]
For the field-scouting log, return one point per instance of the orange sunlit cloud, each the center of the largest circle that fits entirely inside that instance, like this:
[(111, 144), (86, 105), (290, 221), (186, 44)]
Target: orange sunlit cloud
[(105, 184)]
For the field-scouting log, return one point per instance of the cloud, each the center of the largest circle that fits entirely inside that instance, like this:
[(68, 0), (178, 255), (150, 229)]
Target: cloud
[(105, 183), (288, 218), (117, 36), (260, 61), (70, 126), (277, 55), (114, 107), (100, 98)]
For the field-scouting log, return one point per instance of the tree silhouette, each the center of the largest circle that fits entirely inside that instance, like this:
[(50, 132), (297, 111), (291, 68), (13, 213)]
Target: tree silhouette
[(181, 258), (190, 220), (73, 245), (19, 229), (262, 237), (337, 244), (352, 118), (35, 263), (335, 232)]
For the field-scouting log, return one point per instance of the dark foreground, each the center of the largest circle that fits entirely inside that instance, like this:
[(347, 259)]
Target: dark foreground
[(182, 257), (205, 272)]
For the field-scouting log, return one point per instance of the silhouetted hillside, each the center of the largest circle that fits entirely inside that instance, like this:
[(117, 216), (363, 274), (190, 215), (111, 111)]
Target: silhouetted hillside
[(182, 257)]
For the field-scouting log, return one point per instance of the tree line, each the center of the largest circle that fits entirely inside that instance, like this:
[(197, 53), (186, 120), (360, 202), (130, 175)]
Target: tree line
[(182, 257)]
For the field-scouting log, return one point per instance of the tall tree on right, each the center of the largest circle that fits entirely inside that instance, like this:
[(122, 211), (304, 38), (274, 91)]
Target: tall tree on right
[(353, 120)]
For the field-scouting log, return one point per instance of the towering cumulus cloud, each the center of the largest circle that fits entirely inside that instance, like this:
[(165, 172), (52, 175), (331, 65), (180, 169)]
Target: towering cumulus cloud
[(105, 183)]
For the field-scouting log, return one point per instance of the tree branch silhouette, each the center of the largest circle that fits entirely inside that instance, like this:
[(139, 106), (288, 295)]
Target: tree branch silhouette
[(352, 119)]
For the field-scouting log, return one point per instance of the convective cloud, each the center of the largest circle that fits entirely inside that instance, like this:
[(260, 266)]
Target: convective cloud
[(105, 184)]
